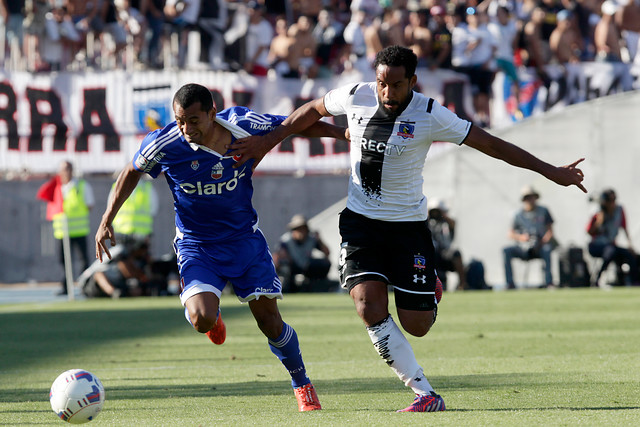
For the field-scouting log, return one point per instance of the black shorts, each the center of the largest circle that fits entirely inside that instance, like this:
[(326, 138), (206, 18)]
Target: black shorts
[(400, 254)]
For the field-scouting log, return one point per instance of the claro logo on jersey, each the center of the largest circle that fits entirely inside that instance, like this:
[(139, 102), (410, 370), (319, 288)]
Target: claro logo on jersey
[(381, 147), (212, 188)]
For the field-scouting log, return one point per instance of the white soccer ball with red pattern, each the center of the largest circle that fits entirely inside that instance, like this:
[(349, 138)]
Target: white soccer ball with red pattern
[(77, 396)]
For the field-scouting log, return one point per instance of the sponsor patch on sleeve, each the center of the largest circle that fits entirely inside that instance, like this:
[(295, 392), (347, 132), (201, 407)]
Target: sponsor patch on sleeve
[(144, 164)]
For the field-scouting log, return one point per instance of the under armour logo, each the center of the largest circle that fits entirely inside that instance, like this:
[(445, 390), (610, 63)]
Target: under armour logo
[(354, 118), (422, 279)]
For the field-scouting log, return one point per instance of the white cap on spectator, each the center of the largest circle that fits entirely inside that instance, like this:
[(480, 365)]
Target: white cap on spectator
[(609, 8)]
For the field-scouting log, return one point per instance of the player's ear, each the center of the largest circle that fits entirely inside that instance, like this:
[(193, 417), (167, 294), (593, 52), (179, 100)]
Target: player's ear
[(413, 80)]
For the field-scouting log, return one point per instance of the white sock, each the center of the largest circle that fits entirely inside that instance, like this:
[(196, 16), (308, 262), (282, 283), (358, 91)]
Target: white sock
[(395, 350)]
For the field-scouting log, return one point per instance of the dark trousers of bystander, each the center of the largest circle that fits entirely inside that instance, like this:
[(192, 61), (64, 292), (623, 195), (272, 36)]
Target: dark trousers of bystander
[(78, 245)]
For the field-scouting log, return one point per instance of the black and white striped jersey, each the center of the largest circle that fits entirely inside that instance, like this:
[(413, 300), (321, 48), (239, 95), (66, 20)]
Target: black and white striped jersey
[(388, 153)]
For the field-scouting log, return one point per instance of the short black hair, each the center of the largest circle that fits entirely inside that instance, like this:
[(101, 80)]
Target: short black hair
[(397, 56), (191, 93), (607, 195)]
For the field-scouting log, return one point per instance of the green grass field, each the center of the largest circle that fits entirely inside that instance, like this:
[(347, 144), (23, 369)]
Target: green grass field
[(526, 358)]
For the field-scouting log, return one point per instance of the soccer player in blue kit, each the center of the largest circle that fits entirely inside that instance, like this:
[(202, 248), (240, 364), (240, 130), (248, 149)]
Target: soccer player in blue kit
[(385, 237), (217, 235)]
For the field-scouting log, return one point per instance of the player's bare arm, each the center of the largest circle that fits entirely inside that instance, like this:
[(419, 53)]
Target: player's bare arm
[(125, 184), (303, 121), (500, 149)]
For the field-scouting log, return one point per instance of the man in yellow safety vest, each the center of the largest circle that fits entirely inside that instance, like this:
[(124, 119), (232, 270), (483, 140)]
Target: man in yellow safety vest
[(69, 201), (134, 221)]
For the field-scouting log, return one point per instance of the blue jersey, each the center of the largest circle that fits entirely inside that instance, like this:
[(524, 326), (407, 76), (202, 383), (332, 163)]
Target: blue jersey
[(212, 200)]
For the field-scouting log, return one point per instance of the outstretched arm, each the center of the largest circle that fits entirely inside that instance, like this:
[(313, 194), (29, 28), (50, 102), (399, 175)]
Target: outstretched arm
[(125, 184), (500, 149), (303, 121)]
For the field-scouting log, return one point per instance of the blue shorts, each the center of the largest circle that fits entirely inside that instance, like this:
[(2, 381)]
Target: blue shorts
[(245, 263)]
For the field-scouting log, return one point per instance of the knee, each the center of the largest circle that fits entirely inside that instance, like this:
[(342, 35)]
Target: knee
[(203, 322), (418, 330), (418, 327), (370, 311)]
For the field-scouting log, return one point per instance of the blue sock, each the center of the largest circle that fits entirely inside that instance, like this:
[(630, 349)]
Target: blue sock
[(287, 349)]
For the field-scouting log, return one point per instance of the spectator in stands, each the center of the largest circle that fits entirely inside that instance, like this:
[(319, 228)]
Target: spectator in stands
[(60, 37), (504, 31), (258, 40), (85, 17), (628, 20), (440, 56), (234, 37), (456, 22), (550, 9), (371, 8), (417, 36), (69, 201), (134, 24), (283, 57), (443, 228), (277, 8), (182, 17), (12, 12), (392, 28), (537, 48), (305, 45), (532, 230), (301, 257), (328, 35), (153, 10), (106, 22), (480, 51), (354, 37), (34, 26), (565, 41), (80, 11), (607, 35), (585, 12), (309, 8), (213, 23), (372, 40), (603, 228)]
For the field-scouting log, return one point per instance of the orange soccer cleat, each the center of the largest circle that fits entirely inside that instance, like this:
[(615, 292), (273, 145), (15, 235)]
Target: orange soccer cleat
[(307, 398), (218, 333)]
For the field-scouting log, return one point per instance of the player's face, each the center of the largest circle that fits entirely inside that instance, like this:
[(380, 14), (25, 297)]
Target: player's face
[(394, 87), (196, 125)]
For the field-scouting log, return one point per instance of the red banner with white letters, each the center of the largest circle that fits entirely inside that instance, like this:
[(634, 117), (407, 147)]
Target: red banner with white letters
[(97, 119)]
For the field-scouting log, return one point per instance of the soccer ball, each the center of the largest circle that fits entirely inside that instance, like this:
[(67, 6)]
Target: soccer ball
[(76, 396)]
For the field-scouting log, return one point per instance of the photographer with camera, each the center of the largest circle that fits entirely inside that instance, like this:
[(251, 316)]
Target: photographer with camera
[(447, 257), (533, 233), (603, 229)]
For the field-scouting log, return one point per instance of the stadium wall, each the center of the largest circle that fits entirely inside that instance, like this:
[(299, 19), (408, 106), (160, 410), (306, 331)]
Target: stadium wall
[(28, 251)]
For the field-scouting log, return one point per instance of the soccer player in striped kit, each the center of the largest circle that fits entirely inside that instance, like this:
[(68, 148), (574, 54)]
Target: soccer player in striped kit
[(385, 238), (217, 235)]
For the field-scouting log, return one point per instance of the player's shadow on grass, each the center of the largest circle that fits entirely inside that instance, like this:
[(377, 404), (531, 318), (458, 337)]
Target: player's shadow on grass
[(32, 338), (259, 387)]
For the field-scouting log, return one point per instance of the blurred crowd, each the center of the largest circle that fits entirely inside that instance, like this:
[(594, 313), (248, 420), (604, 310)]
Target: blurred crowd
[(315, 38)]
